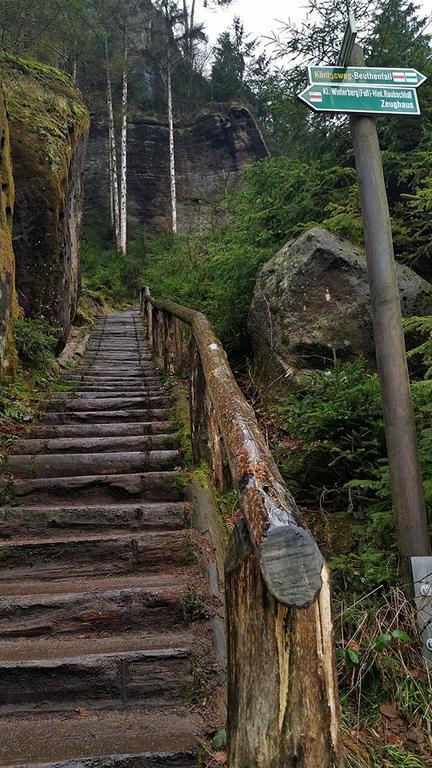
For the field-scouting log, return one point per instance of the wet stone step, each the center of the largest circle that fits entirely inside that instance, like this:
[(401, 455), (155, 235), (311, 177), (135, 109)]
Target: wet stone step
[(77, 464), (43, 520), (127, 736), (106, 417), (135, 428), (92, 613), (81, 393), (104, 444), (126, 403), (148, 486), (124, 553), (143, 760), (95, 681)]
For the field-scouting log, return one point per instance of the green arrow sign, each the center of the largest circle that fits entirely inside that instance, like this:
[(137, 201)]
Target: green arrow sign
[(365, 76), (370, 101)]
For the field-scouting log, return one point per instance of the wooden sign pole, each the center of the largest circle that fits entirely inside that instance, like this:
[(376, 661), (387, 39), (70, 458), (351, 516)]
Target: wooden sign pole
[(406, 482)]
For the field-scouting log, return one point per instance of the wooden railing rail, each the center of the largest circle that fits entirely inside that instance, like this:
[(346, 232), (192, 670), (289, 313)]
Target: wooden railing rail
[(283, 706)]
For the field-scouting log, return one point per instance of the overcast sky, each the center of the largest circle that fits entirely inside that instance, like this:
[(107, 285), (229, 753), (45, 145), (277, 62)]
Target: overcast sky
[(260, 18)]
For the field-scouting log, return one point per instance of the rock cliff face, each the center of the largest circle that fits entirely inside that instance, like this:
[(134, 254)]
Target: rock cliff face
[(210, 151), (8, 303), (49, 126), (311, 305)]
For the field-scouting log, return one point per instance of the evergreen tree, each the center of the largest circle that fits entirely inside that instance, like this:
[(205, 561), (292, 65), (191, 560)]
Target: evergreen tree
[(232, 53)]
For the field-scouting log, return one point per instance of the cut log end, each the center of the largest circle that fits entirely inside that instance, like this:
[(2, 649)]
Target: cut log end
[(291, 565)]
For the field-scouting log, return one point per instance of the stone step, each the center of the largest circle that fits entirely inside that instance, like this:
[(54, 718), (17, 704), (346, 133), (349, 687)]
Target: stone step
[(41, 521), (96, 681), (79, 464), (106, 444), (106, 417), (89, 614), (67, 553), (109, 403), (132, 738), (99, 489), (87, 393), (119, 429), (143, 760)]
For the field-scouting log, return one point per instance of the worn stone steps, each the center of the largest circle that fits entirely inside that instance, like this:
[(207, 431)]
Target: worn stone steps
[(78, 464), (113, 429), (106, 417), (84, 555), (108, 403), (43, 521), (95, 681), (61, 614), (112, 738), (106, 444), (96, 571)]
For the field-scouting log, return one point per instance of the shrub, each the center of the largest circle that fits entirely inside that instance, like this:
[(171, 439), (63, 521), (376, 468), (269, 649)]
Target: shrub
[(36, 343)]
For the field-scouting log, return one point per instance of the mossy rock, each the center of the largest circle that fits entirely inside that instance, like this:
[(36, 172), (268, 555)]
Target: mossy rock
[(49, 125), (8, 302)]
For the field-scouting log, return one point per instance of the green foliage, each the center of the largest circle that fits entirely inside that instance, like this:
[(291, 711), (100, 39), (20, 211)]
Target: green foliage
[(36, 343), (339, 464), (113, 278), (194, 606)]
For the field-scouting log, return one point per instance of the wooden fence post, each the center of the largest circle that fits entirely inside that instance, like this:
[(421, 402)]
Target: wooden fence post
[(283, 709)]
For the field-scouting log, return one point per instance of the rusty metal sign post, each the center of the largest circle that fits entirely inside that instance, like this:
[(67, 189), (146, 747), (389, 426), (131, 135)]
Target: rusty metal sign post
[(406, 482)]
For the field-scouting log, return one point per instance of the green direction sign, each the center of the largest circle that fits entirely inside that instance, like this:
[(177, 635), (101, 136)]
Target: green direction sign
[(365, 76), (370, 101)]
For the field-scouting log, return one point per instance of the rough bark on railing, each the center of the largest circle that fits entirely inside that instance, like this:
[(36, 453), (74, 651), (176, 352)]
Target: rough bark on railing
[(283, 702)]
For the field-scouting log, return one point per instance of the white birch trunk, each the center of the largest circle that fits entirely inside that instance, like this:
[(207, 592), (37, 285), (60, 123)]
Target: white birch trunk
[(112, 156), (123, 174), (171, 150)]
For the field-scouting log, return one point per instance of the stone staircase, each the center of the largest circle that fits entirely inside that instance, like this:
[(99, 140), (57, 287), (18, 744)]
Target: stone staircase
[(98, 660)]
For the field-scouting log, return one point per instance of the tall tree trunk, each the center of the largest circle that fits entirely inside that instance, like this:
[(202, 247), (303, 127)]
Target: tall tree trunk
[(171, 149), (186, 27), (114, 197), (123, 176), (191, 31)]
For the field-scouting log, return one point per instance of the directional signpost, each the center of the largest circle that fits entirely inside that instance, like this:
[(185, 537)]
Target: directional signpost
[(365, 76), (371, 100), (351, 87)]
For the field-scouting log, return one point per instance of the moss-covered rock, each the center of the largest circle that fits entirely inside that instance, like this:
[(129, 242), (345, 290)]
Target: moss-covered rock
[(49, 126), (8, 303)]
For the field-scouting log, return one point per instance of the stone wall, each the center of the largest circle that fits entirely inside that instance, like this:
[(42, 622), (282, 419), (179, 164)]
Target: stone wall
[(49, 127), (8, 303), (211, 149)]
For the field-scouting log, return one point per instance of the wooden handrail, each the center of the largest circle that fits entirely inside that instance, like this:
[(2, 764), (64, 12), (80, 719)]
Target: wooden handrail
[(290, 560), (283, 706)]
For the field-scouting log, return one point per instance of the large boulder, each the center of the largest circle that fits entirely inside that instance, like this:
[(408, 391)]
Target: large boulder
[(8, 303), (311, 306), (49, 125)]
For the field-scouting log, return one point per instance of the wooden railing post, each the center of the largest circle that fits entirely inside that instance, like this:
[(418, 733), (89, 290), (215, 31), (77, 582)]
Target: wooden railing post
[(283, 707), (197, 399), (173, 345)]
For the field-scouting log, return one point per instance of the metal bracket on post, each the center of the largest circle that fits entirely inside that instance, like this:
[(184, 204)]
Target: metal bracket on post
[(348, 42), (422, 578)]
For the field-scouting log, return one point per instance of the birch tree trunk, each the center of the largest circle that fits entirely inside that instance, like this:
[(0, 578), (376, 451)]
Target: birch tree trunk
[(114, 197), (123, 174), (171, 149)]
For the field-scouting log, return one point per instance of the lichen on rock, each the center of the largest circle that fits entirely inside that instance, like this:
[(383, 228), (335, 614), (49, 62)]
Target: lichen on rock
[(49, 125), (8, 302), (311, 306)]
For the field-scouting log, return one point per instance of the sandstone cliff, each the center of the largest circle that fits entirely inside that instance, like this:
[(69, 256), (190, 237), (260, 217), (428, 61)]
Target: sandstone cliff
[(211, 149), (8, 303), (49, 126)]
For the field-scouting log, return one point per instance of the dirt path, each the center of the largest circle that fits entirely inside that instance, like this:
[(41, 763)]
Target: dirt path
[(97, 657)]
